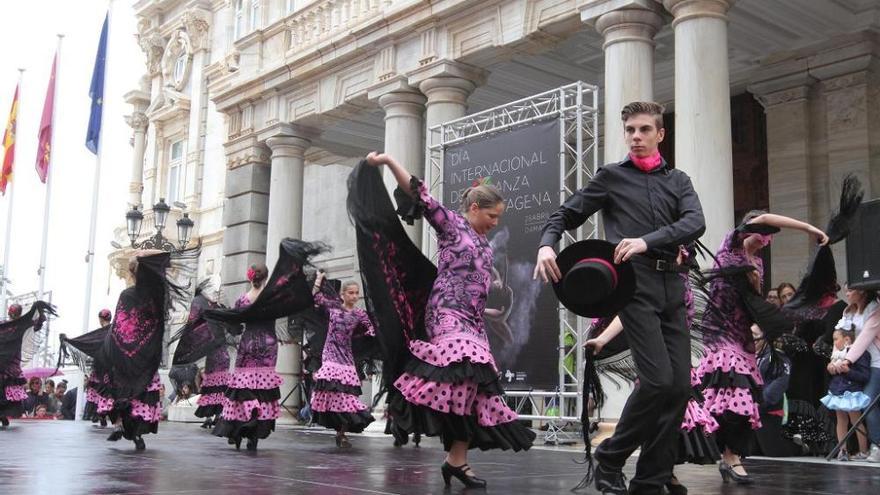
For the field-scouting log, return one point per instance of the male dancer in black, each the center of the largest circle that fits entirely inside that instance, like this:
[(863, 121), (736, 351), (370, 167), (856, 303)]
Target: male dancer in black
[(649, 209)]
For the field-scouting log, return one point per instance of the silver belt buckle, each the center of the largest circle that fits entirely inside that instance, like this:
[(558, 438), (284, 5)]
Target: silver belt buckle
[(661, 266)]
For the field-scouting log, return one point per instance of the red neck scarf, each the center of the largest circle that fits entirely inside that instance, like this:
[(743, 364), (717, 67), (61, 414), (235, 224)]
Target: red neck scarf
[(647, 163)]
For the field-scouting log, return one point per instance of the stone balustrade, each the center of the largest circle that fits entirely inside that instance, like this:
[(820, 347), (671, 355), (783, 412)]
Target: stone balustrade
[(324, 19)]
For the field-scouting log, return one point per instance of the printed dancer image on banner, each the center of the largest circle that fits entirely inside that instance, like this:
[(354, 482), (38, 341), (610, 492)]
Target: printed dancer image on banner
[(521, 317)]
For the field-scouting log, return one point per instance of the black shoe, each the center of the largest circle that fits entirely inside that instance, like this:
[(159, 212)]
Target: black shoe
[(674, 487), (4, 422), (116, 435), (460, 472), (251, 444), (103, 423), (610, 481), (139, 443), (417, 439), (206, 423), (728, 474), (342, 442)]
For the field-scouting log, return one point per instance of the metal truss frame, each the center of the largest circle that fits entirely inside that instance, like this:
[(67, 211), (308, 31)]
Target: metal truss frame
[(576, 107)]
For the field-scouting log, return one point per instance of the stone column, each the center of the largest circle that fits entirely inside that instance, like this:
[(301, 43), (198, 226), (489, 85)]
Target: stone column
[(139, 99), (138, 122), (285, 191), (703, 145), (404, 139), (285, 220), (629, 61)]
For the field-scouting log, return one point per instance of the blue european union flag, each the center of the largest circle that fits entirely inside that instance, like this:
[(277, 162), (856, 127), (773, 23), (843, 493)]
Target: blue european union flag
[(96, 92)]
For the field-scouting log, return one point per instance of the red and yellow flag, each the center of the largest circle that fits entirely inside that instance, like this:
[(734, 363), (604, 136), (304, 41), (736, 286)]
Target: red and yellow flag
[(9, 145), (45, 139)]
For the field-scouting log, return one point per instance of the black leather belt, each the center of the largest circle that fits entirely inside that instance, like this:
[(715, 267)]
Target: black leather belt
[(659, 265)]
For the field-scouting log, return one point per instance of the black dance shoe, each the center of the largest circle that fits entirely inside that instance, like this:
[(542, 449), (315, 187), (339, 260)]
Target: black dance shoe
[(460, 472), (139, 443), (609, 481), (417, 439), (251, 444), (116, 435), (343, 443), (4, 422), (206, 423), (728, 474), (103, 423), (674, 487)]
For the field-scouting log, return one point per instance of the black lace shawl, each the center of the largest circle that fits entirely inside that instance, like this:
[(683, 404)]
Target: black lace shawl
[(287, 291), (397, 277), (14, 332)]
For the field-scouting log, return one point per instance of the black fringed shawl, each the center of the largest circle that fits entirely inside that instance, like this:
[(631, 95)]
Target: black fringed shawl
[(286, 292), (397, 277), (132, 350), (13, 333)]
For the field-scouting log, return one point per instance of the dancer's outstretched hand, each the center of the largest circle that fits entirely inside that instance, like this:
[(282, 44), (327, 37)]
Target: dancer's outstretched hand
[(546, 266), (821, 237), (628, 247), (375, 158)]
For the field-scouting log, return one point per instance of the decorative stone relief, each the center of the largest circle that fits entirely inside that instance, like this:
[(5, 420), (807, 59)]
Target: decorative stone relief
[(799, 93), (153, 45), (472, 36), (197, 26), (138, 121), (385, 64), (249, 156), (429, 47), (303, 103), (177, 61), (541, 12), (353, 81), (847, 109), (846, 81)]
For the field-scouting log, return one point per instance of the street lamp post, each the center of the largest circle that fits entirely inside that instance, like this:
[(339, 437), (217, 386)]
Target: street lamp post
[(134, 221)]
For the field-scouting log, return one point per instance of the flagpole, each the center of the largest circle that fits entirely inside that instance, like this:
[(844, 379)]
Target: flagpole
[(8, 240), (93, 225), (50, 172)]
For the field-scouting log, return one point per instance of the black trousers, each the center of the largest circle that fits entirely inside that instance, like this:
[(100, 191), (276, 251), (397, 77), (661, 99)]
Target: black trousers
[(656, 329)]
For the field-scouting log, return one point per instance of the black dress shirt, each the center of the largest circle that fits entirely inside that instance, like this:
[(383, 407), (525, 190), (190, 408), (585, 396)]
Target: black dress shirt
[(660, 206)]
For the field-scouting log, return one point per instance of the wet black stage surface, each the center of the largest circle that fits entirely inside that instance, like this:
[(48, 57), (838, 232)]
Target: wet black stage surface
[(64, 457)]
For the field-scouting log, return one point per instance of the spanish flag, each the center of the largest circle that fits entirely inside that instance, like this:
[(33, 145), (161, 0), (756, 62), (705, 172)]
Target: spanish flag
[(9, 145)]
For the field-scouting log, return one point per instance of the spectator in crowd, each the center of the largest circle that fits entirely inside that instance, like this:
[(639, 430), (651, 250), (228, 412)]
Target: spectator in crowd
[(773, 297), (845, 392), (785, 291), (164, 401), (53, 403), (863, 317), (41, 413), (775, 368), (35, 396), (185, 393), (67, 400)]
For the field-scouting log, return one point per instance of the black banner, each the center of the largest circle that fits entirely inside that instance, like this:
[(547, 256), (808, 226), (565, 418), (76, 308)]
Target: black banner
[(521, 316)]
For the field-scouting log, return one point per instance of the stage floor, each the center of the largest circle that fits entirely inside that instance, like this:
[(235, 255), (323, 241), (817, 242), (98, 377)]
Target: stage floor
[(65, 457)]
